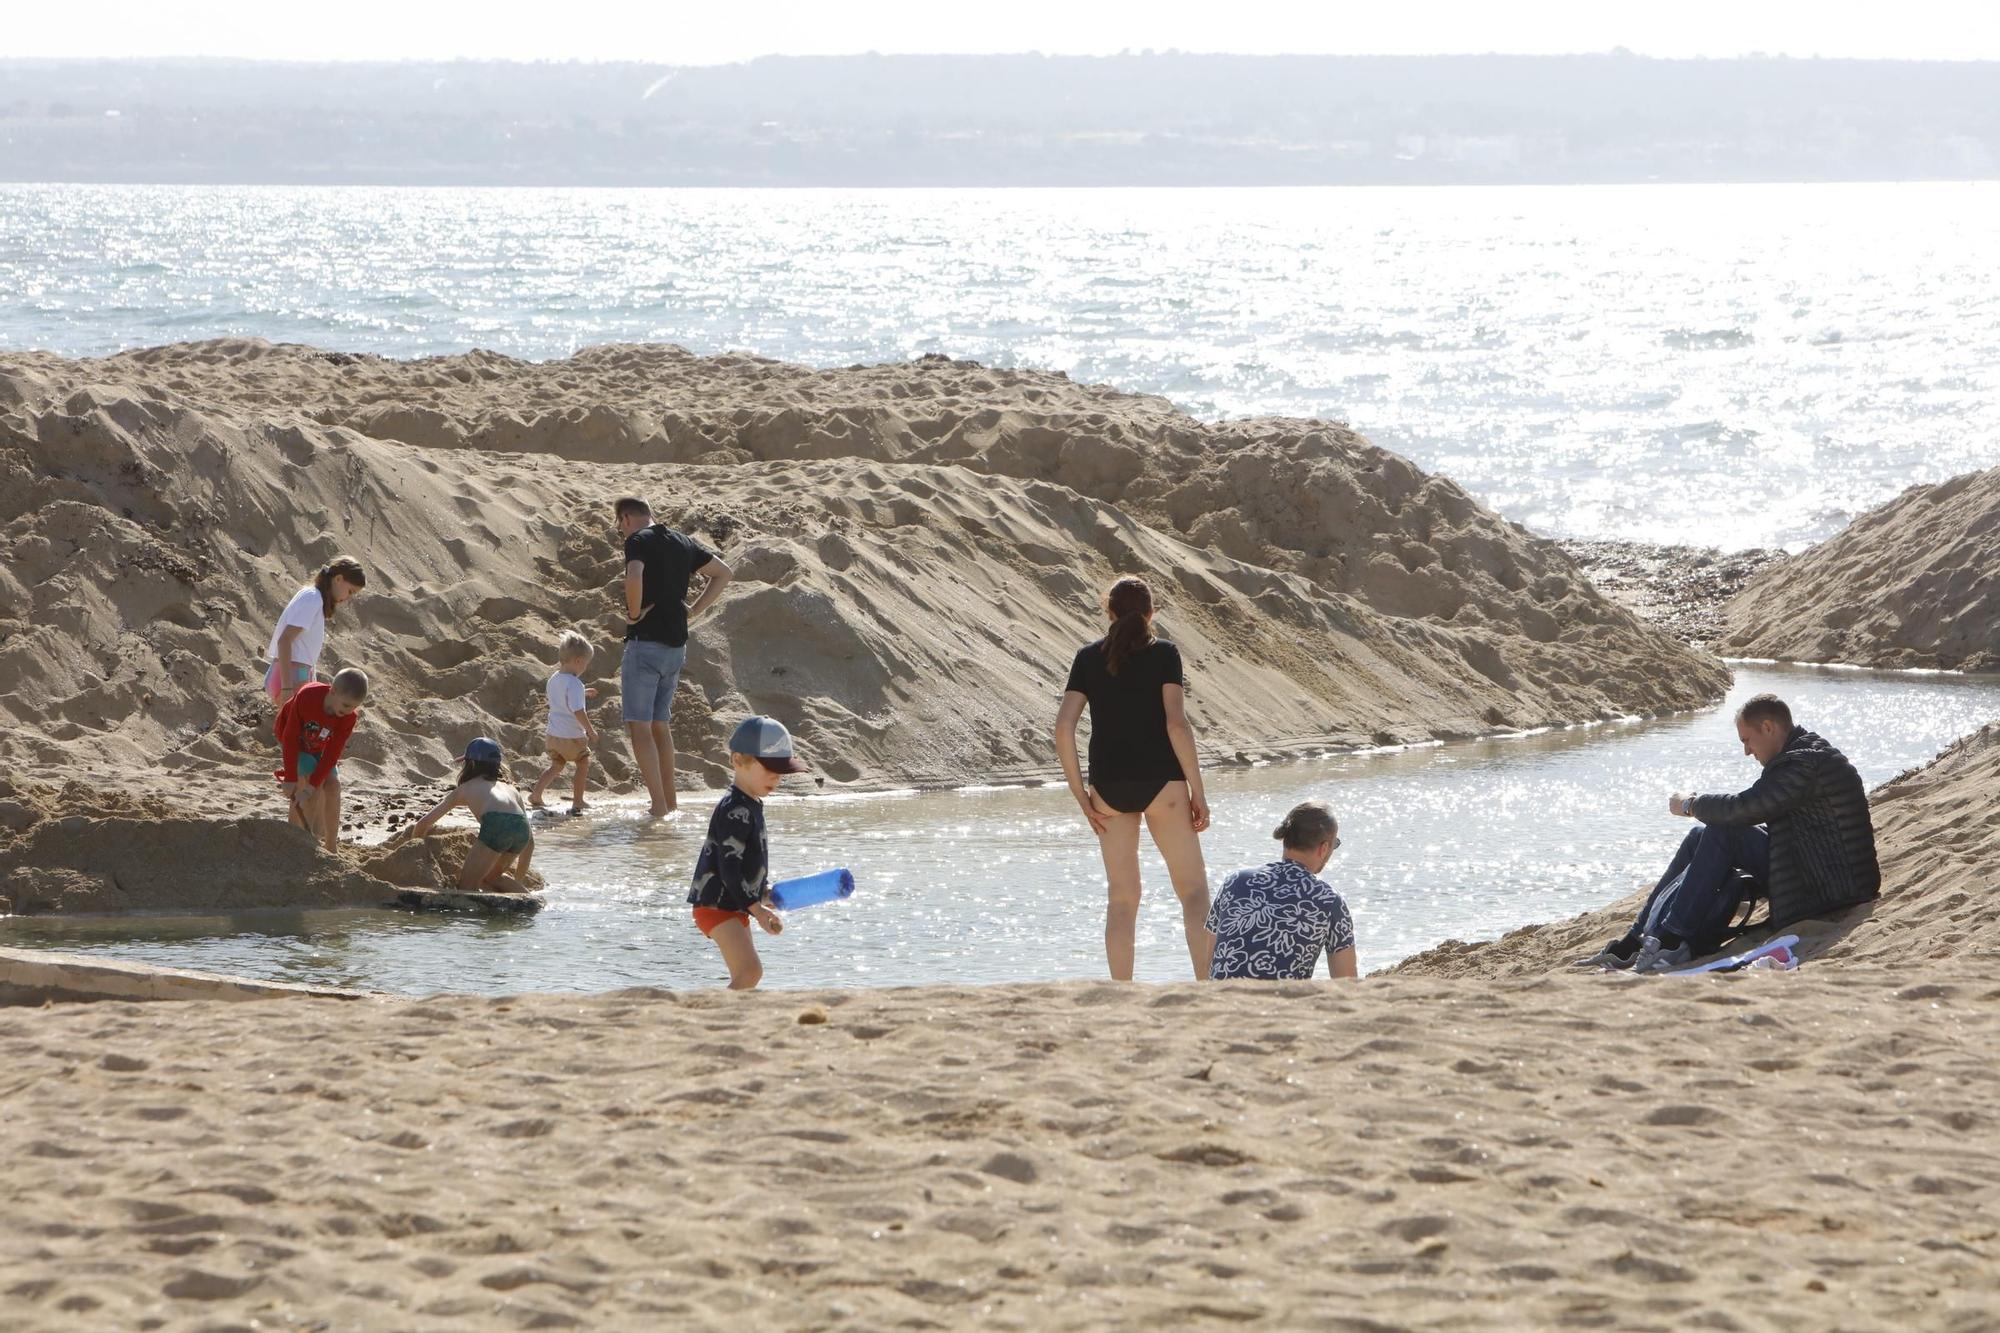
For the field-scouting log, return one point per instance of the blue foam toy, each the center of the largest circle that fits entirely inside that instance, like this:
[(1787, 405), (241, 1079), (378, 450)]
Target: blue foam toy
[(788, 895)]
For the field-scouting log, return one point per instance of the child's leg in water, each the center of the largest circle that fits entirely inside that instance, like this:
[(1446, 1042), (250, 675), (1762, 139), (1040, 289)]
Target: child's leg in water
[(510, 875), (549, 774), (577, 783), (739, 951), (480, 861)]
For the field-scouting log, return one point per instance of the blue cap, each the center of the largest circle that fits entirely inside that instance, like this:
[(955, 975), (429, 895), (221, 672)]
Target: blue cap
[(482, 750), (766, 740)]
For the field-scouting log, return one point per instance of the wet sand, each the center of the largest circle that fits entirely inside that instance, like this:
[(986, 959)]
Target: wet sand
[(1685, 590)]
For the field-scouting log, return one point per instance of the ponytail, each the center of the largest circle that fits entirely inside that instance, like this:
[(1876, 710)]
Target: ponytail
[(344, 566), (1129, 603)]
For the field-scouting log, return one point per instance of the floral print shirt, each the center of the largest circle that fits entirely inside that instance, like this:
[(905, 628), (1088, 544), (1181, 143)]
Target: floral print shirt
[(1273, 922)]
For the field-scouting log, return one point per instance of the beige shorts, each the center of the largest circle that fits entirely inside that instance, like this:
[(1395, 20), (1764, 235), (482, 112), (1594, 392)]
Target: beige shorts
[(572, 748)]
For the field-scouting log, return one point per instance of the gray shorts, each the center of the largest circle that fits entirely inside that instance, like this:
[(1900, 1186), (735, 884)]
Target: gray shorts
[(647, 678)]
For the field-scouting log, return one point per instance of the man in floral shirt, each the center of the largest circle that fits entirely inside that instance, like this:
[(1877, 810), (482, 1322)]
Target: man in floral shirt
[(1272, 922)]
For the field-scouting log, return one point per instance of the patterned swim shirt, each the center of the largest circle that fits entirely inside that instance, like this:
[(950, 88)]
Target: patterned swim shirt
[(1273, 922)]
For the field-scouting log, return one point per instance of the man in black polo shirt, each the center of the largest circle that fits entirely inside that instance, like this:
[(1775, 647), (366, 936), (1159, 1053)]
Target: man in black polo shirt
[(659, 562)]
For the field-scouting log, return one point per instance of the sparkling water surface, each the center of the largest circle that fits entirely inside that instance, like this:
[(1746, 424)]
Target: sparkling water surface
[(1727, 364), (1466, 840)]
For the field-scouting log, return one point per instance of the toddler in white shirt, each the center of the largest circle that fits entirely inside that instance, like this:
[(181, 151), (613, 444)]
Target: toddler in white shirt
[(570, 733)]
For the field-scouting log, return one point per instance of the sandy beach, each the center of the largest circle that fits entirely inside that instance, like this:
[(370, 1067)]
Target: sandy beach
[(1756, 1152), (1478, 1138)]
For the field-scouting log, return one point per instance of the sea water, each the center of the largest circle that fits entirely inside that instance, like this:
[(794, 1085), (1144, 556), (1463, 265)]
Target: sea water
[(1721, 364), (1449, 841)]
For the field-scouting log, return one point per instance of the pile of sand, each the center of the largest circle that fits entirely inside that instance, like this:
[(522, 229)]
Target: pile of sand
[(1938, 830), (919, 549), (1939, 843), (1915, 583), (1799, 1150), (76, 849)]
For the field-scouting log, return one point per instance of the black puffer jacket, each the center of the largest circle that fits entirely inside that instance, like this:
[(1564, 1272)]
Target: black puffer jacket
[(1822, 842)]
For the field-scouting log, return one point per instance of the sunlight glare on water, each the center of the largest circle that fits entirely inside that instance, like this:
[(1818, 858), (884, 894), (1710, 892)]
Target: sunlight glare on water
[(1590, 361)]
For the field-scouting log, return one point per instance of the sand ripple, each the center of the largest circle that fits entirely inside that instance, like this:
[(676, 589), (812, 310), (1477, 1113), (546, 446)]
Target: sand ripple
[(1761, 1151)]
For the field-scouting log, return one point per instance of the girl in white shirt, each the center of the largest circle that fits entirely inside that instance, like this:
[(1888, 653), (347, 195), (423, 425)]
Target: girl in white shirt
[(301, 632)]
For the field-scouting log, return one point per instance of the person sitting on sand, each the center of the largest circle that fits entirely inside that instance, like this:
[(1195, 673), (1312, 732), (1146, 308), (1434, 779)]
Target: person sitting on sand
[(732, 878), (505, 841), (312, 730), (301, 632), (1142, 765), (658, 565), (1801, 835), (1273, 922), (570, 733)]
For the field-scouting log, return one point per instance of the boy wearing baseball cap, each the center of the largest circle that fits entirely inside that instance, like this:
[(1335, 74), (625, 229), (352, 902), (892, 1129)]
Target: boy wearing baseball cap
[(505, 841), (733, 876)]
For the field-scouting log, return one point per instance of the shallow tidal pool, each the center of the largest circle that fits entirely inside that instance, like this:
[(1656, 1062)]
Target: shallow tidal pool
[(1448, 841)]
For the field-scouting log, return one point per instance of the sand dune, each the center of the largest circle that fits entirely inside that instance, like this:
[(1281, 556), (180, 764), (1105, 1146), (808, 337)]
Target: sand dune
[(1939, 843), (77, 848), (1915, 583), (919, 549), (1768, 1151)]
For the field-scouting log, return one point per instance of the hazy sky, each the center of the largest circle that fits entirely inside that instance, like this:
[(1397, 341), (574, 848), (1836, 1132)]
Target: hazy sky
[(718, 33)]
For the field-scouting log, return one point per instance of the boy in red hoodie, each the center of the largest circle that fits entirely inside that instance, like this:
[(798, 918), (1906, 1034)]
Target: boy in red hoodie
[(313, 728)]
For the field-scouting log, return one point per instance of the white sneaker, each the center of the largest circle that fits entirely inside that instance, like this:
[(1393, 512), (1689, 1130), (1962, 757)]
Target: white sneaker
[(1607, 961), (1649, 950), (1668, 960)]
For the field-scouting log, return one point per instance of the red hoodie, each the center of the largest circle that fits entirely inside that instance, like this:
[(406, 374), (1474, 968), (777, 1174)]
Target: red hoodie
[(305, 727)]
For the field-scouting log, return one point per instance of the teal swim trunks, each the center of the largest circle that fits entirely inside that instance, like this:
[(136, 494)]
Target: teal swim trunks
[(504, 831), (309, 765)]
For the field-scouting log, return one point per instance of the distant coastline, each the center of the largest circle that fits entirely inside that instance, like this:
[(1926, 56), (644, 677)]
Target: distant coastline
[(992, 121)]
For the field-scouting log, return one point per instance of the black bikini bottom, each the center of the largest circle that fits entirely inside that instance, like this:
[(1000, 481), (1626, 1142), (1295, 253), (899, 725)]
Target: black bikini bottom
[(1129, 796)]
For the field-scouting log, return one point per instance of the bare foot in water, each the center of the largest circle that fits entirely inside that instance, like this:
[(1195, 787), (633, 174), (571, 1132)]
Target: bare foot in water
[(660, 811), (578, 808)]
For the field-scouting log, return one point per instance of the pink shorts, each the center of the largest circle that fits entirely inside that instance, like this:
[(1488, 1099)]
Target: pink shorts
[(300, 675)]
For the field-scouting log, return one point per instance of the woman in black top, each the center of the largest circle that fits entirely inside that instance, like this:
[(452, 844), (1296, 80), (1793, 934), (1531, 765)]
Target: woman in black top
[(1142, 763)]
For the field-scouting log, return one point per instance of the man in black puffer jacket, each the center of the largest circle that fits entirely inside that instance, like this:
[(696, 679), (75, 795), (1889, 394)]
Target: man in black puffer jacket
[(1800, 835)]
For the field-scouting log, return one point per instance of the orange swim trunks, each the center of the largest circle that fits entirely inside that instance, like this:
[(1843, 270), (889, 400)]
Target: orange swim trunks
[(708, 918)]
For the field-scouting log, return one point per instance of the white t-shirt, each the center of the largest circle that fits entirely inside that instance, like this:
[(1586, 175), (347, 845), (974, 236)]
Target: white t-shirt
[(565, 698), (307, 610)]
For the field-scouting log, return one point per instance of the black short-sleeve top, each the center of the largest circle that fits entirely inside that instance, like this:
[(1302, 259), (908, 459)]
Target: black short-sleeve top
[(670, 558), (1128, 713)]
